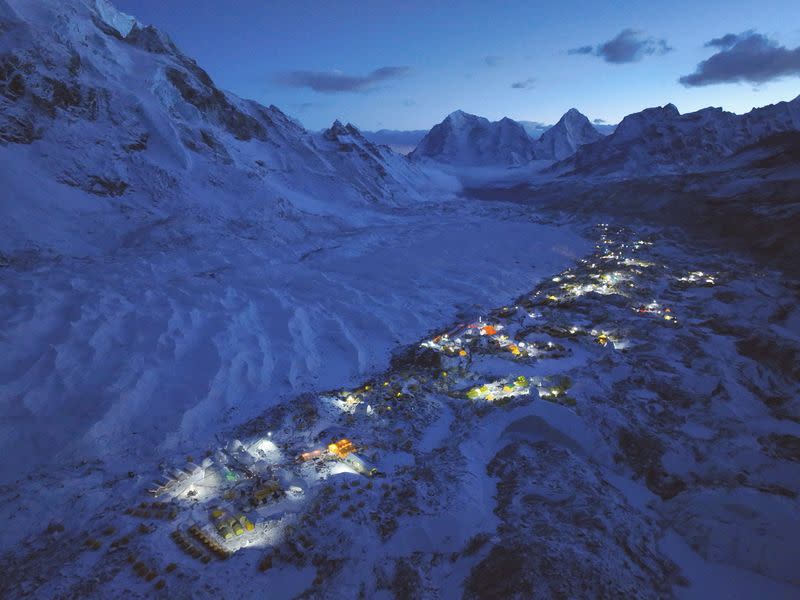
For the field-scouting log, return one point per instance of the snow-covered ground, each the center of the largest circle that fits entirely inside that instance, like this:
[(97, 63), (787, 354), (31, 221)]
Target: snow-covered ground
[(627, 428), (151, 352)]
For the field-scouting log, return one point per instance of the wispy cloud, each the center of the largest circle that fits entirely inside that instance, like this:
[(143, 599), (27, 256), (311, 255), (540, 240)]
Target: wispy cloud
[(746, 57), (581, 50), (337, 82), (627, 46), (492, 61), (525, 84)]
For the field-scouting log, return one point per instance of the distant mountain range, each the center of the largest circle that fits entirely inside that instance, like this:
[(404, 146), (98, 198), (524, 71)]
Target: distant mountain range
[(405, 142), (653, 141), (468, 140), (658, 140)]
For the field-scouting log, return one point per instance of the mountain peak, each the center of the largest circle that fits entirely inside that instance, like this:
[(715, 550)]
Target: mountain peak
[(572, 131), (466, 139), (459, 116)]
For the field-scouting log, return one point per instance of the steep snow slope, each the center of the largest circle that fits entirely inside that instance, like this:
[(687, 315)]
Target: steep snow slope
[(661, 140), (572, 131), (464, 139)]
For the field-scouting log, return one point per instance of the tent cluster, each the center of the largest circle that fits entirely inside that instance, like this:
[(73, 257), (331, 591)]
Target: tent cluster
[(655, 309), (228, 526), (698, 278), (179, 479), (457, 341), (500, 390), (343, 450)]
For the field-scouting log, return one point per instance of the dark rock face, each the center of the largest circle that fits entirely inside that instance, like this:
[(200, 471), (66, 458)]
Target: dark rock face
[(139, 145), (643, 454), (18, 130), (12, 76), (349, 139), (332, 134), (150, 39), (782, 446), (101, 186), (97, 185), (198, 90), (16, 123)]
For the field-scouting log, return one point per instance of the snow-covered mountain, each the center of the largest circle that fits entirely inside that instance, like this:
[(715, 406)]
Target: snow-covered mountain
[(661, 140), (572, 131), (468, 140), (95, 103)]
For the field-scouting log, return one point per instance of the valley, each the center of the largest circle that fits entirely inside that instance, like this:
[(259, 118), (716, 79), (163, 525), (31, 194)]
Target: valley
[(243, 358), (625, 393)]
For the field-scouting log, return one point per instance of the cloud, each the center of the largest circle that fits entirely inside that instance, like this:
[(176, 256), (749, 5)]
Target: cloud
[(726, 41), (492, 61), (581, 50), (627, 46), (526, 84), (747, 57), (599, 121), (337, 82), (409, 102)]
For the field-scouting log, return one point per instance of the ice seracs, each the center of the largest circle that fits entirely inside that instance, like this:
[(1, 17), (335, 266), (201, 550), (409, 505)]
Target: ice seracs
[(115, 18)]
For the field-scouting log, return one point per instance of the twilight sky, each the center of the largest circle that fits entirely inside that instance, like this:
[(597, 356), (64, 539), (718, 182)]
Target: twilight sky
[(406, 65)]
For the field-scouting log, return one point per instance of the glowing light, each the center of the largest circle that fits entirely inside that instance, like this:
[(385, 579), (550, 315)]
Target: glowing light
[(499, 390), (265, 449)]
